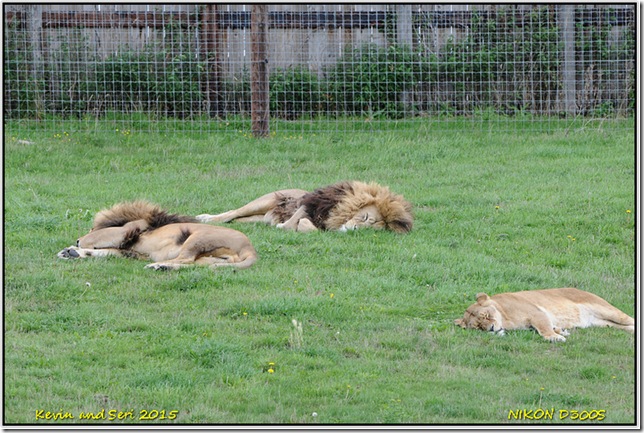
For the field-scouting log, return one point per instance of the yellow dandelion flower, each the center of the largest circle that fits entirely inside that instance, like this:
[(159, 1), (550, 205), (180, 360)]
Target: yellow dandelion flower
[(271, 371)]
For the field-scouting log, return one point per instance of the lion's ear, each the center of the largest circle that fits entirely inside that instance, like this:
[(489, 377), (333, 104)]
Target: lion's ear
[(401, 225), (482, 298)]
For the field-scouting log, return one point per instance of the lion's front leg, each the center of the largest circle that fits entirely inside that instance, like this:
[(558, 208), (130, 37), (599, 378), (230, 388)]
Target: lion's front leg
[(293, 222), (561, 331), (69, 253), (74, 252), (546, 329), (305, 225)]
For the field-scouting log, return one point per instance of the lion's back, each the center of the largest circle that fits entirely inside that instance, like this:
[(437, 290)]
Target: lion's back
[(567, 307)]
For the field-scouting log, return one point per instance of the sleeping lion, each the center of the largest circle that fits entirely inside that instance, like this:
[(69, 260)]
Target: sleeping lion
[(551, 312), (143, 230), (342, 206)]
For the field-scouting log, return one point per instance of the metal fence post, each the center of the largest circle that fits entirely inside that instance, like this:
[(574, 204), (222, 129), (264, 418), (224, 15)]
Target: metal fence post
[(404, 38), (567, 25), (403, 25), (33, 15)]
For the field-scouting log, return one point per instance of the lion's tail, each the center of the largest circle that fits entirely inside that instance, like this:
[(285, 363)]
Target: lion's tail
[(248, 257)]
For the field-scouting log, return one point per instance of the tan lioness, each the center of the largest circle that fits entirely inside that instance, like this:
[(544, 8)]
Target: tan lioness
[(551, 312), (143, 230), (343, 206)]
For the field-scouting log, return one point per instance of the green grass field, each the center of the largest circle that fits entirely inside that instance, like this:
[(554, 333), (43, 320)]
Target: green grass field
[(494, 212)]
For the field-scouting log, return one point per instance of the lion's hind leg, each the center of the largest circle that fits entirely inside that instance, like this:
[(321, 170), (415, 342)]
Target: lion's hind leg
[(607, 315), (210, 249), (218, 218), (180, 262), (253, 211), (212, 262)]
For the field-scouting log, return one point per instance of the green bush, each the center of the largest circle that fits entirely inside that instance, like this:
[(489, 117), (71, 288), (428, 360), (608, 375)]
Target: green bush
[(294, 92), (23, 90), (123, 82), (373, 80), (162, 82)]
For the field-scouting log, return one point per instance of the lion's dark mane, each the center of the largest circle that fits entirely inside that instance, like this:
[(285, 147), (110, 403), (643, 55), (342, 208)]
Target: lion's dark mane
[(124, 213), (286, 207), (320, 203)]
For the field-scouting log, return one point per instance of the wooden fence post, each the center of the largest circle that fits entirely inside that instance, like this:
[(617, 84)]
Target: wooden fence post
[(259, 98), (212, 55), (566, 20)]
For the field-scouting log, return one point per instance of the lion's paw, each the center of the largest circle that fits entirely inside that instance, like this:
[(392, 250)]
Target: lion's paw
[(203, 218), (158, 267), (69, 253), (556, 338)]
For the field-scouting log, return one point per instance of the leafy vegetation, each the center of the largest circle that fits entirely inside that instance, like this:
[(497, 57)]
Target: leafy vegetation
[(373, 339)]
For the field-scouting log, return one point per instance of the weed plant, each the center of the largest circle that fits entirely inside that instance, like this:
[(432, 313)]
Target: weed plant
[(326, 328)]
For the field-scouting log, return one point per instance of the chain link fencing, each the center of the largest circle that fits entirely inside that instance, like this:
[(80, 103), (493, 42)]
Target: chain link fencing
[(335, 67)]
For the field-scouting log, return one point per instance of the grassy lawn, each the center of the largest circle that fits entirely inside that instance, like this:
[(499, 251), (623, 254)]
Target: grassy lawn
[(494, 211)]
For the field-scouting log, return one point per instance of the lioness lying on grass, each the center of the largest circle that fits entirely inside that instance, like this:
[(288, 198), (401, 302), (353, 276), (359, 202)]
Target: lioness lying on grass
[(551, 312)]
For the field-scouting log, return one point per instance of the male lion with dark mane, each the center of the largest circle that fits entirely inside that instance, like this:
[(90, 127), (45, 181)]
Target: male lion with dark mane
[(342, 206), (142, 230), (551, 312)]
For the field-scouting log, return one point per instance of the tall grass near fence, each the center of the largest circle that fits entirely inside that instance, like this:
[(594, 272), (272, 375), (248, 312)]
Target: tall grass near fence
[(373, 339)]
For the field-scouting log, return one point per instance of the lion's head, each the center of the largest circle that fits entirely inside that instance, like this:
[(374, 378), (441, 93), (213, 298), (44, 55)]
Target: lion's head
[(370, 205), (483, 315)]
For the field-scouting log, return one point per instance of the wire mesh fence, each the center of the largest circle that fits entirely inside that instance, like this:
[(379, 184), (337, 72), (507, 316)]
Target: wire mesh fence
[(332, 67)]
